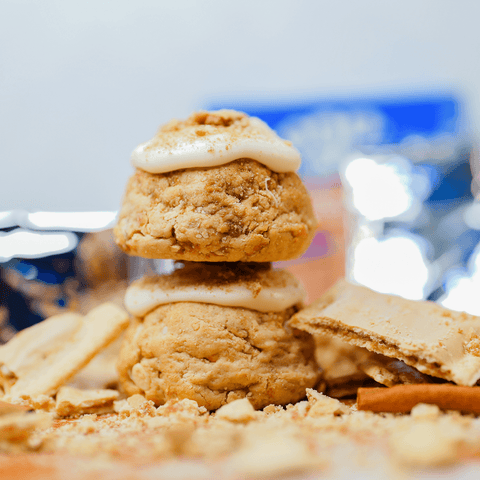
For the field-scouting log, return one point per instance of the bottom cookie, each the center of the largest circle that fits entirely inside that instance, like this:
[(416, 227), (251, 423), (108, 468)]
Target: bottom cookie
[(214, 354)]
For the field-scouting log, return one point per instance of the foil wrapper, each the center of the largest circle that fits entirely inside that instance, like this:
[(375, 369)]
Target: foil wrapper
[(32, 289), (409, 170), (411, 220)]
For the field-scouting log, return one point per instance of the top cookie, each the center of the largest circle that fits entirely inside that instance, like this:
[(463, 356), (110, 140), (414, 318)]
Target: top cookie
[(241, 210)]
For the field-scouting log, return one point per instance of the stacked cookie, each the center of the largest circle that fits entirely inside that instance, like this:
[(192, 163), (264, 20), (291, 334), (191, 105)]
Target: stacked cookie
[(217, 192)]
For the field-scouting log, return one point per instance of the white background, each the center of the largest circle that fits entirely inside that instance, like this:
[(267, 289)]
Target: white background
[(82, 83)]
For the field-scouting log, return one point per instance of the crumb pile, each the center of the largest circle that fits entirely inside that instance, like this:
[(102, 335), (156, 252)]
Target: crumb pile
[(179, 439)]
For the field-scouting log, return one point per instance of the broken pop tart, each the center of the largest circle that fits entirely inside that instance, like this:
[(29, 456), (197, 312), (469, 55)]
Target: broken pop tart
[(424, 335)]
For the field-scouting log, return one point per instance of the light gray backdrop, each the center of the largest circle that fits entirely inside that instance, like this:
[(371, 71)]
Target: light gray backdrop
[(82, 83)]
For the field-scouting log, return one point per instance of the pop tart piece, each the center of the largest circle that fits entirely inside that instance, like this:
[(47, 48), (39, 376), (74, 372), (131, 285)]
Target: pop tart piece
[(424, 335), (41, 359)]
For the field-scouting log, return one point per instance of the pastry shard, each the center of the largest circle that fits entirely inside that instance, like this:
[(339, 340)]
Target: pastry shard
[(73, 401), (42, 358), (424, 335)]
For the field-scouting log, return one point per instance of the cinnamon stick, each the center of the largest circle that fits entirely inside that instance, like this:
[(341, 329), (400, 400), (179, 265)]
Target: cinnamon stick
[(402, 398)]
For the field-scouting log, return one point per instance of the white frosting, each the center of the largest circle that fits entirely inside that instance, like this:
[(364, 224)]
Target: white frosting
[(140, 299), (208, 146)]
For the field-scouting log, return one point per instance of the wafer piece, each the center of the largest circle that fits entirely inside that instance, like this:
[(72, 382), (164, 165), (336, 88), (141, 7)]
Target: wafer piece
[(27, 348), (72, 401), (424, 335), (402, 398), (40, 364), (101, 371)]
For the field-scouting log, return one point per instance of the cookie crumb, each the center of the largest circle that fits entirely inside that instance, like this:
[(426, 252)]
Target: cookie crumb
[(237, 411)]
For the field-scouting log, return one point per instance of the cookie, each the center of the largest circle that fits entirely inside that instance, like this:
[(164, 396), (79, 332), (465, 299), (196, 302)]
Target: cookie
[(217, 187), (214, 354), (241, 211)]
